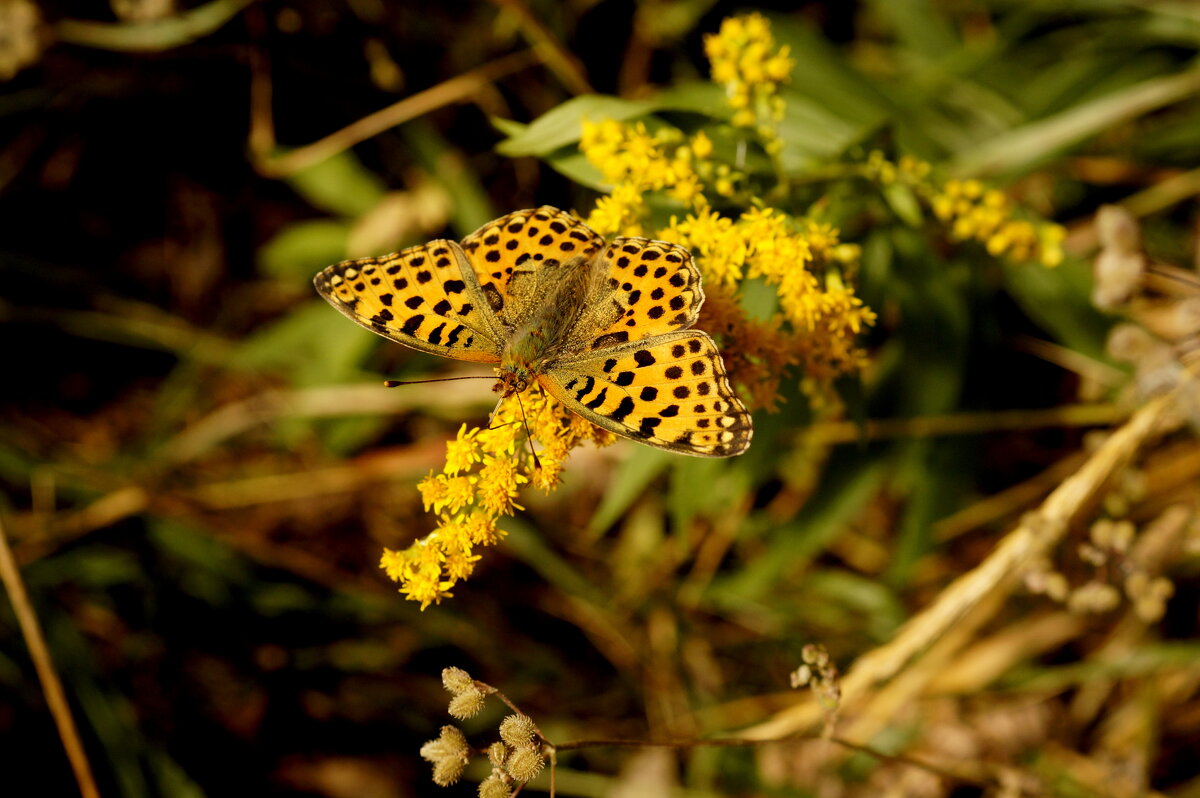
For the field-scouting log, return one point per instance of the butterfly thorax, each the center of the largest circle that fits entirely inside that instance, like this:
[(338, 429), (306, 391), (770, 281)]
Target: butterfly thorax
[(533, 346)]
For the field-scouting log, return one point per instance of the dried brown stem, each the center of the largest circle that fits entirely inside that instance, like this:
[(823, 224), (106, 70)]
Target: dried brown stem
[(52, 687), (454, 90)]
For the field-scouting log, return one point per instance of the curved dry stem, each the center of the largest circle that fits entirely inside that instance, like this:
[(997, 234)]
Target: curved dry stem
[(454, 90), (52, 687), (150, 37)]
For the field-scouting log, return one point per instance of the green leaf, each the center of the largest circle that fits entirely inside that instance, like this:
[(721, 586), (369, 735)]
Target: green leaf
[(874, 607), (302, 249), (564, 124), (904, 204), (812, 134), (202, 566), (919, 28), (702, 486), (698, 96), (1023, 147), (509, 127), (628, 482), (843, 493), (340, 185), (313, 345), (572, 163), (1059, 300)]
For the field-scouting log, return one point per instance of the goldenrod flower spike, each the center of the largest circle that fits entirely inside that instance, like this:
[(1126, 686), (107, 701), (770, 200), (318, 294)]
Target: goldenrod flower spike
[(481, 481), (973, 212)]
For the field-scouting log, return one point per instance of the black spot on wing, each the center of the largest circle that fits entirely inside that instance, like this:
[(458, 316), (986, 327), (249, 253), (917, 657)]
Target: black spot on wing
[(622, 410), (598, 401)]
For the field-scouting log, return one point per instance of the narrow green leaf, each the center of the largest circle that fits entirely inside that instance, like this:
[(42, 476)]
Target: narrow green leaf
[(1059, 300), (563, 124), (1022, 148), (904, 204), (628, 482)]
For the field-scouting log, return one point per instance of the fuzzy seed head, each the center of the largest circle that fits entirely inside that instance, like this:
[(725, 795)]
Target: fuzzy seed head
[(466, 704), (517, 731), (447, 771), (456, 680), (525, 764), (497, 754), (449, 754), (1093, 598), (494, 786)]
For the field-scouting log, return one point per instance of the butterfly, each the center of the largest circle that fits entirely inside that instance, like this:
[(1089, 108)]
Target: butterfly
[(601, 327)]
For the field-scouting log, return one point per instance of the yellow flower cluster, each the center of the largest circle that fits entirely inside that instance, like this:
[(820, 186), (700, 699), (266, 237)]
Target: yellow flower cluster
[(974, 212), (633, 162), (745, 61), (819, 316), (824, 315), (480, 482), (985, 215)]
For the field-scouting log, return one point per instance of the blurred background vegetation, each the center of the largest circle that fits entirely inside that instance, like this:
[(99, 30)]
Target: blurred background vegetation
[(200, 468)]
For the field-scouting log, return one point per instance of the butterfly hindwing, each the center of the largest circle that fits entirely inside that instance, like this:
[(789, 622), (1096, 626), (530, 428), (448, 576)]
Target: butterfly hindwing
[(670, 391), (520, 257), (639, 288), (426, 297)]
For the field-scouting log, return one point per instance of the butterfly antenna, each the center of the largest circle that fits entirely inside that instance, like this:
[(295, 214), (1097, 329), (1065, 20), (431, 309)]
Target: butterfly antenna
[(394, 383), (528, 435)]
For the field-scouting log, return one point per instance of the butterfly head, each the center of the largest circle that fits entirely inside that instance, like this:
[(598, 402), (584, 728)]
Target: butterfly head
[(511, 380)]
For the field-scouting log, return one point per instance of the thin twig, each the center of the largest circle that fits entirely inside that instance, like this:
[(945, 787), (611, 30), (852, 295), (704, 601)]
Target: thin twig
[(51, 685), (554, 55), (454, 90)]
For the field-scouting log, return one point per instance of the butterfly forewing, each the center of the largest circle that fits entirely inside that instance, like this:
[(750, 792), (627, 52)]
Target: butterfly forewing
[(426, 297), (640, 288), (670, 391), (518, 259)]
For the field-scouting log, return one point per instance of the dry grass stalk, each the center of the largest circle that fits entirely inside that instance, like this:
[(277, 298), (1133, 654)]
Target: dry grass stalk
[(51, 685), (995, 577)]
